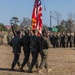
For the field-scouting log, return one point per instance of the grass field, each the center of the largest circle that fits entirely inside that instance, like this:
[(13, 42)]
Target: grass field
[(60, 60)]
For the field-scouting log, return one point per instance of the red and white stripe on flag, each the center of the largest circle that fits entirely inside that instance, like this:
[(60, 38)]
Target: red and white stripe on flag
[(34, 21), (37, 16)]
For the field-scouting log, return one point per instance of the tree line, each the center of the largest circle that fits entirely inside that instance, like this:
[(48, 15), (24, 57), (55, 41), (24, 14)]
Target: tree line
[(62, 25)]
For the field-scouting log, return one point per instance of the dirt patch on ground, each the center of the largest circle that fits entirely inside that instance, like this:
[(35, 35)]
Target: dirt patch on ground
[(60, 60)]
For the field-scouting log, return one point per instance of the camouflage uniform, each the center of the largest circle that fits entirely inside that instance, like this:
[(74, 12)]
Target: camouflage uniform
[(44, 44), (66, 39), (9, 37), (1, 38), (56, 41), (70, 40), (59, 38)]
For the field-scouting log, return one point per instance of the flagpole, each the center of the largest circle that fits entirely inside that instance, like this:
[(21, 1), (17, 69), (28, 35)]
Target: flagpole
[(37, 13), (50, 19)]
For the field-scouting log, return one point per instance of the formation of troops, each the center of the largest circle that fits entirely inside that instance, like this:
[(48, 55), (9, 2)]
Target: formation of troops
[(62, 40), (58, 40), (34, 43)]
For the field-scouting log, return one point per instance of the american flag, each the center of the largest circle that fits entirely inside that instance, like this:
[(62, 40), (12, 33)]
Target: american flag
[(37, 16)]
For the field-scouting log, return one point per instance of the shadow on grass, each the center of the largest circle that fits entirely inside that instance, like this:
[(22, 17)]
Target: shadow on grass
[(15, 70)]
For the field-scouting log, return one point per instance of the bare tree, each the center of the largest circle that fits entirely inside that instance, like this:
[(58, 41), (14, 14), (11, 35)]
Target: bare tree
[(58, 17), (71, 21), (70, 16), (26, 22), (70, 25)]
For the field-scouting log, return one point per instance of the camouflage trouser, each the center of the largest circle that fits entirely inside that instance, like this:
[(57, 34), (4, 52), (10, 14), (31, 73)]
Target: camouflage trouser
[(1, 42), (44, 54), (69, 43)]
